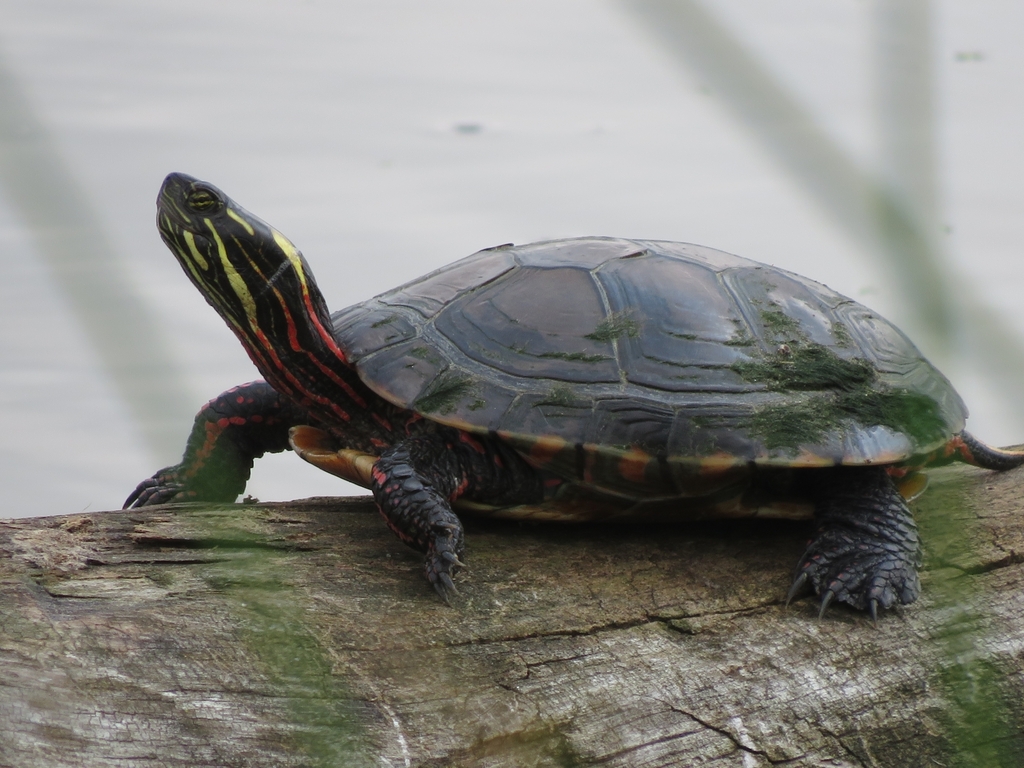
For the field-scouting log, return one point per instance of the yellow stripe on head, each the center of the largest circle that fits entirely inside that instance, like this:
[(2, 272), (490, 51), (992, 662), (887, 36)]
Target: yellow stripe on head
[(245, 224), (196, 255), (186, 262), (293, 256), (237, 283)]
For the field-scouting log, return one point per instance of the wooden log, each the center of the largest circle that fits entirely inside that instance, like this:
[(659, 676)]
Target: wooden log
[(303, 634)]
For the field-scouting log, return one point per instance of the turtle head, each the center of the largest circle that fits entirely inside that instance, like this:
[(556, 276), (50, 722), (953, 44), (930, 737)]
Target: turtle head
[(250, 273)]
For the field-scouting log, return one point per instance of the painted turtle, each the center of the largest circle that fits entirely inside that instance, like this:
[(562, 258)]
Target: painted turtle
[(575, 380)]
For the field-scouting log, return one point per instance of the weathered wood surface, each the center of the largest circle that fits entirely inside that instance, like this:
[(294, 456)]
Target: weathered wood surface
[(303, 634)]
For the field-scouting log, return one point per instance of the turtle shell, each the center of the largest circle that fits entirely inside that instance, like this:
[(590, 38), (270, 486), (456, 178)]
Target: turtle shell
[(642, 365)]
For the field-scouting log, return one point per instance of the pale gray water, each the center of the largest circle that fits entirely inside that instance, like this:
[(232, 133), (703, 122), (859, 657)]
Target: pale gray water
[(387, 138)]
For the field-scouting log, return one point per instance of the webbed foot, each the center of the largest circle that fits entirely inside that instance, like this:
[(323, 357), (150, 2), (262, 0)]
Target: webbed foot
[(865, 551)]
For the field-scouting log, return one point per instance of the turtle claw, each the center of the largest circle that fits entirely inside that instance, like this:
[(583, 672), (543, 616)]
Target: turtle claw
[(873, 609), (452, 558), (439, 574), (158, 489), (136, 496), (442, 592), (445, 586), (826, 599), (799, 585), (442, 563)]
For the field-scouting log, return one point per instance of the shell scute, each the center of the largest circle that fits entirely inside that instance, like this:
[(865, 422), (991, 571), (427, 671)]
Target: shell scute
[(877, 340), (535, 324), (545, 414), (670, 333), (432, 292), (374, 329), (630, 424), (582, 253), (711, 258), (409, 367), (778, 309)]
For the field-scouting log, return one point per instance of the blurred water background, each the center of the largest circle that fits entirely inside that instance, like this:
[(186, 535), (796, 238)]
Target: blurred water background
[(871, 146)]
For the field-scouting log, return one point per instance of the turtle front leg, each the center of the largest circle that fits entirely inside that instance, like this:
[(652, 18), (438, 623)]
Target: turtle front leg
[(416, 480), (413, 496), (865, 551), (228, 434)]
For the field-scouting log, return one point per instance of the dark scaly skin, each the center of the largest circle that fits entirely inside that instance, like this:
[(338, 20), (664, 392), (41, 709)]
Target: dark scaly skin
[(865, 551), (414, 481), (415, 506), (973, 451)]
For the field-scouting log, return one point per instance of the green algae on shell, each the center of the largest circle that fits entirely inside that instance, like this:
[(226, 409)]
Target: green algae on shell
[(847, 394)]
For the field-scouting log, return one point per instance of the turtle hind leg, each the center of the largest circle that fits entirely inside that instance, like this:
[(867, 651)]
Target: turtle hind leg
[(975, 452), (865, 551)]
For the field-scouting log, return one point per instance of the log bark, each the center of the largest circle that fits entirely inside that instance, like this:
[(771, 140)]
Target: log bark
[(303, 634)]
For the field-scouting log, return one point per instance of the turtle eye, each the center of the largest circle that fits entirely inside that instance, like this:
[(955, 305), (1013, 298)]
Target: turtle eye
[(202, 200)]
